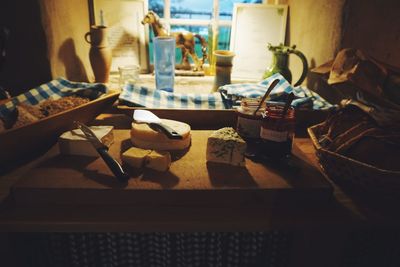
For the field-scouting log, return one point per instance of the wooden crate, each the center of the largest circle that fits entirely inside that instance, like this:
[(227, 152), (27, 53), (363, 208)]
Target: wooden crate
[(24, 143)]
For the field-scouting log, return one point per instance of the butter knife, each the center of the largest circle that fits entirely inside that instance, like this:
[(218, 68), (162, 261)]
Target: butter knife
[(102, 149), (146, 116)]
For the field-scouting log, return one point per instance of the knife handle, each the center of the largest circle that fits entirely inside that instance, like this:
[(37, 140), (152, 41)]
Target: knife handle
[(168, 131), (114, 166)]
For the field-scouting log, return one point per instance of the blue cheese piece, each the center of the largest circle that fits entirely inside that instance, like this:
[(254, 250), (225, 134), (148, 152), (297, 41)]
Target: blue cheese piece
[(226, 146), (75, 143)]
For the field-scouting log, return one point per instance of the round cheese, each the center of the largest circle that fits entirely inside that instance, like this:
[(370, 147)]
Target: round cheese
[(144, 137)]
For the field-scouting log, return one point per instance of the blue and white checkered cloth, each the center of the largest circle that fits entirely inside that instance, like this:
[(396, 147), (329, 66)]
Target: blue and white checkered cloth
[(304, 98), (152, 98), (54, 89), (227, 97)]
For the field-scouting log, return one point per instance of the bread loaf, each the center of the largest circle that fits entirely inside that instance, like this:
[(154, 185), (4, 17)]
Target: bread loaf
[(354, 134), (25, 114), (50, 107), (380, 151)]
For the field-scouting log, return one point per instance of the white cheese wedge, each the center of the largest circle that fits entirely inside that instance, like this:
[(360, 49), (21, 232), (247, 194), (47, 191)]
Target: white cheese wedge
[(75, 143), (135, 156), (226, 146), (158, 160), (144, 137)]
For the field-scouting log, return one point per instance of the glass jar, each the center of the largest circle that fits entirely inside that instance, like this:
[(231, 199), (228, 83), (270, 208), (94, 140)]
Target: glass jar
[(277, 132), (248, 124), (128, 74)]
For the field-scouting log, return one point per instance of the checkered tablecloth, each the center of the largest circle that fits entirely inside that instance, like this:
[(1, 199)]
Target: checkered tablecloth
[(133, 95), (227, 97), (304, 98), (54, 89)]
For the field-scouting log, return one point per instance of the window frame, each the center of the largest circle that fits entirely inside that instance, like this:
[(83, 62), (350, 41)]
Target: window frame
[(214, 22)]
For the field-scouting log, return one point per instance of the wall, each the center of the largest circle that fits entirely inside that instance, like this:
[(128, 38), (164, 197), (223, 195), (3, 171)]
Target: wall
[(315, 27), (46, 41), (321, 28), (374, 26), (65, 23), (47, 36), (26, 63)]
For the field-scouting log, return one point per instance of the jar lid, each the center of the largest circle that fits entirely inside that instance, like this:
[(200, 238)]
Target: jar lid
[(250, 105), (276, 110)]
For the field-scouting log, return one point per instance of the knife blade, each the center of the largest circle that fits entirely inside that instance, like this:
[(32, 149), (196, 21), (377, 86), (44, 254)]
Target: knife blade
[(102, 149)]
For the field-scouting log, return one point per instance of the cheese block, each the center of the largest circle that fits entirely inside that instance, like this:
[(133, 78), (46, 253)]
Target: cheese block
[(144, 137), (135, 156), (158, 160), (226, 146), (75, 143), (138, 158)]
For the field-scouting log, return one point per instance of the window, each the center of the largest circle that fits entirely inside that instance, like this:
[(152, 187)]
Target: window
[(197, 16)]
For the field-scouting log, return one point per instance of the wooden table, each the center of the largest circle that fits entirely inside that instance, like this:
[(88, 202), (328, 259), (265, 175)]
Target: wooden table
[(320, 227), (110, 214)]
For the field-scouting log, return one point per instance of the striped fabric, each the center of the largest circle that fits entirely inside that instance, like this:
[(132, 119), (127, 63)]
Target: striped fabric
[(156, 249), (228, 97), (139, 96), (54, 89)]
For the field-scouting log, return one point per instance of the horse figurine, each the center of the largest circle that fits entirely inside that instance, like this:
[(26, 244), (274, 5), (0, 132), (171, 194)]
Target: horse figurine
[(184, 40)]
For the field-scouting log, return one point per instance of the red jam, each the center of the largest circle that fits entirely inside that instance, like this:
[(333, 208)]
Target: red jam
[(277, 132)]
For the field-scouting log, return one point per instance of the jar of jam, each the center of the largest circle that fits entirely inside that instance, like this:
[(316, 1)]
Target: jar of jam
[(277, 132), (248, 122)]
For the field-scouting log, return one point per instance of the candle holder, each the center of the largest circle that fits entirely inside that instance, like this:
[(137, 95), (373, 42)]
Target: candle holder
[(223, 68)]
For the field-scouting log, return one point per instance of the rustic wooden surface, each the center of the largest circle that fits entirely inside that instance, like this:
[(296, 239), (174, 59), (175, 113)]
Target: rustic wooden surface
[(182, 84), (197, 119), (340, 213), (191, 181), (215, 119), (346, 211), (22, 144)]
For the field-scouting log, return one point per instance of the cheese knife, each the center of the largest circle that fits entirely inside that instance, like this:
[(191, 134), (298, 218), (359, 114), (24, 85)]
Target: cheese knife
[(102, 149), (146, 116)]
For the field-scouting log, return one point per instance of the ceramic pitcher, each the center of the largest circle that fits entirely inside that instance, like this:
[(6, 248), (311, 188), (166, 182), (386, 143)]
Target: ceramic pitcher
[(280, 62), (99, 54)]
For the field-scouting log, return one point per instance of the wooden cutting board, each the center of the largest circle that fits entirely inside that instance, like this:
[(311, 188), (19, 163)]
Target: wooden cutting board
[(190, 181)]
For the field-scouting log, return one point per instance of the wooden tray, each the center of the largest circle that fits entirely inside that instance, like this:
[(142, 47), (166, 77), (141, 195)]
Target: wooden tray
[(21, 144), (215, 119), (191, 181)]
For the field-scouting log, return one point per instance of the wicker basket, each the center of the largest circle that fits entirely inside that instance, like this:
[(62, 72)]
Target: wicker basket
[(356, 174)]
